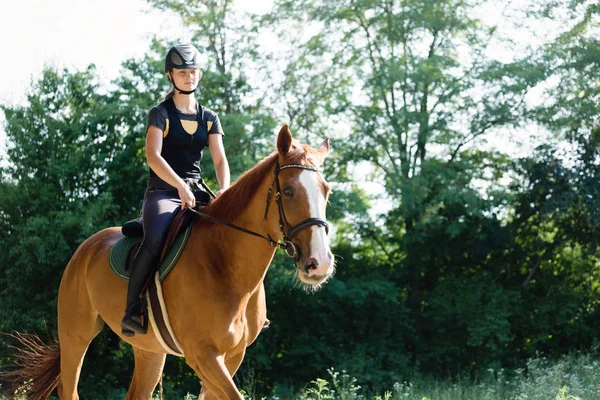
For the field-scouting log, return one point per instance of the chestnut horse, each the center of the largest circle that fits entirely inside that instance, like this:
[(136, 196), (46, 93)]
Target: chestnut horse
[(215, 295)]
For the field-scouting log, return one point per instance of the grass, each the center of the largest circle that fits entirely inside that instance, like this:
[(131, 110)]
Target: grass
[(573, 377)]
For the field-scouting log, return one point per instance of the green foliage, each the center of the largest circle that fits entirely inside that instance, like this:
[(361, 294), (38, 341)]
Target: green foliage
[(399, 79), (319, 390), (556, 228), (53, 193), (572, 377)]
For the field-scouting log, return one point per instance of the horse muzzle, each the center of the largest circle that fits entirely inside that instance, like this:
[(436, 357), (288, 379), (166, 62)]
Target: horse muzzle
[(315, 270)]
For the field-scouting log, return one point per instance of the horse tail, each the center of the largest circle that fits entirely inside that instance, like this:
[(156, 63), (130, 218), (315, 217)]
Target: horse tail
[(36, 371)]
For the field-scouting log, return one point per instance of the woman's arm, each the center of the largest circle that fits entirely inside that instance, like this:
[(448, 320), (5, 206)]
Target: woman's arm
[(217, 151), (154, 138)]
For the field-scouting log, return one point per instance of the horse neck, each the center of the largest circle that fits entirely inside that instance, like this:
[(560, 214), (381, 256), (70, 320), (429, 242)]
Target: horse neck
[(242, 257)]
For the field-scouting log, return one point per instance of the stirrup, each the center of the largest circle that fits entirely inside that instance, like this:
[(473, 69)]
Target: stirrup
[(132, 324), (127, 332), (135, 319)]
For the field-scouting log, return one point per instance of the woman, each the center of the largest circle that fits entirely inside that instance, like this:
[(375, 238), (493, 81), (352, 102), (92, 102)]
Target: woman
[(178, 129)]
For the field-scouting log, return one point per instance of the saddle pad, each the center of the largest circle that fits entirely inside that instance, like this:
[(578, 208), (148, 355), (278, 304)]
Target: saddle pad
[(120, 250)]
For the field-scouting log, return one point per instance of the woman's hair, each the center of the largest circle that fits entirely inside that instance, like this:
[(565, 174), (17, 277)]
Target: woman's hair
[(170, 94)]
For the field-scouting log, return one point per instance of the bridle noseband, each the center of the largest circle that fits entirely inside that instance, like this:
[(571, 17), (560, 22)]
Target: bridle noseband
[(287, 231), (290, 232)]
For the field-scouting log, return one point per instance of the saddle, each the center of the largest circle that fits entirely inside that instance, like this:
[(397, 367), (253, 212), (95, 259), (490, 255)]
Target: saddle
[(122, 252), (133, 228)]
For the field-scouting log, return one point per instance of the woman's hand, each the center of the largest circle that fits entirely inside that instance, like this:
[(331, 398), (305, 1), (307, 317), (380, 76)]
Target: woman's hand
[(186, 196)]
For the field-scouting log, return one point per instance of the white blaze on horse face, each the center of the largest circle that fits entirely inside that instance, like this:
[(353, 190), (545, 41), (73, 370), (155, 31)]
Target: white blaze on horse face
[(319, 243)]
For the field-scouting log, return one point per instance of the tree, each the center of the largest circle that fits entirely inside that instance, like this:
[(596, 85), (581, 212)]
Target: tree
[(557, 210), (59, 147), (420, 86), (420, 94)]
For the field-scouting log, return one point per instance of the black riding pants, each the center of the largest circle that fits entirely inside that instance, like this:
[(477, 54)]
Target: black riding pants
[(158, 210)]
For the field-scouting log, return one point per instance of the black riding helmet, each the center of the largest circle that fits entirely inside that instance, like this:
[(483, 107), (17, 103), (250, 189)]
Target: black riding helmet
[(182, 56)]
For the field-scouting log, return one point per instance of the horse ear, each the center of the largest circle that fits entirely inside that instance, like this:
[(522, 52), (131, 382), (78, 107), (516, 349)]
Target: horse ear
[(324, 147), (284, 140)]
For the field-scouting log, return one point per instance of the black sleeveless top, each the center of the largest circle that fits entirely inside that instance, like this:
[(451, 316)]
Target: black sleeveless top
[(184, 138)]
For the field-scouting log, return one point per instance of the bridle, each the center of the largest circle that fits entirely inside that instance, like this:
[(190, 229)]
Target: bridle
[(287, 231), (290, 232)]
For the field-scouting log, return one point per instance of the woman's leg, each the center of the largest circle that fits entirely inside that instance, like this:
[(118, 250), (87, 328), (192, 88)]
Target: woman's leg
[(158, 212)]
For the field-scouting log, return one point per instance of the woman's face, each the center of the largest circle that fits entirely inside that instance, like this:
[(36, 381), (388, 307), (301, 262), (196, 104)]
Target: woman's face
[(186, 79)]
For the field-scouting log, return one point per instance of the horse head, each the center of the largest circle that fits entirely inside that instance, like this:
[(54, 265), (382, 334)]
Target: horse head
[(302, 199)]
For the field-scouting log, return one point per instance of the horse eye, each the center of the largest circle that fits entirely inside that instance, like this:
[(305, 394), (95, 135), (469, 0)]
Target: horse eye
[(288, 192)]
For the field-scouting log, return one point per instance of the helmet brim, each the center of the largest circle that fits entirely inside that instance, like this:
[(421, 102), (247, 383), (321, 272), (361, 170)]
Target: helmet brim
[(193, 66)]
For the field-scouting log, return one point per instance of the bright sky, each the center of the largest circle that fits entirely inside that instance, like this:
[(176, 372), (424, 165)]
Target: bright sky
[(71, 33), (76, 33)]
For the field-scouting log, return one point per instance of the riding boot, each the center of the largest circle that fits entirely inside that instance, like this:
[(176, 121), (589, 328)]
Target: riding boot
[(141, 267)]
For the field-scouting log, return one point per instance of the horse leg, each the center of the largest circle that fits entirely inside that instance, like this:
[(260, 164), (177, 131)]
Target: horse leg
[(210, 367), (146, 374), (232, 363), (74, 337)]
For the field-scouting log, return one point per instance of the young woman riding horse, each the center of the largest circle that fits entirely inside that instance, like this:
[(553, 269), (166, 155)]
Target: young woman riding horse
[(215, 296), (178, 129)]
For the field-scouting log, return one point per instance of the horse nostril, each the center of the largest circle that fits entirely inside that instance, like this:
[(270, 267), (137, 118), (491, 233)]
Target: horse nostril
[(311, 264)]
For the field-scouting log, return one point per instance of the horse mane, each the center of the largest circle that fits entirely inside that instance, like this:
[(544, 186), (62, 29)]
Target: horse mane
[(233, 201)]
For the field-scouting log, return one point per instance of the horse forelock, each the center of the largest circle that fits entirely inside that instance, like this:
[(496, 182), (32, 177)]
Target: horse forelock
[(297, 155), (303, 154)]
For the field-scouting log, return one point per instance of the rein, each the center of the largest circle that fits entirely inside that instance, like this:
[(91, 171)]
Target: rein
[(289, 232)]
